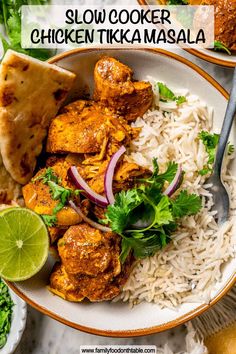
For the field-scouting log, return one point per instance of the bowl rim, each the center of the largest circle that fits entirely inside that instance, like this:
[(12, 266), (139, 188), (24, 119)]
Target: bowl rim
[(182, 319), (200, 54)]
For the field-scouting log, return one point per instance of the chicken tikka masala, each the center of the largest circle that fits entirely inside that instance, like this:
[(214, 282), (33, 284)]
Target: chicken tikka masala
[(86, 134)]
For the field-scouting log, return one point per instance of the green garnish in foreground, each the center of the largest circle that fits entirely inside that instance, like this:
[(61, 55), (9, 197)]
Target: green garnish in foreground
[(10, 18), (57, 192), (157, 213), (177, 2), (167, 95), (6, 305), (210, 142), (221, 47), (24, 244)]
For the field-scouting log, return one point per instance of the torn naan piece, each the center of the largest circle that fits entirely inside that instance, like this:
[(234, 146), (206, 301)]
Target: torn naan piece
[(31, 93), (9, 189)]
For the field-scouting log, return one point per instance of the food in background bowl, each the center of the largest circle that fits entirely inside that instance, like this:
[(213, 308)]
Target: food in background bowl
[(225, 15), (6, 308), (224, 53)]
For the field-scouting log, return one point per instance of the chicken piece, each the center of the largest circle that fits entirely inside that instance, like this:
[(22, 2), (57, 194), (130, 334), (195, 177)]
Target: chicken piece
[(63, 285), (102, 287), (82, 131), (225, 21), (37, 197), (73, 288), (55, 233), (87, 251), (124, 177), (87, 129), (115, 89)]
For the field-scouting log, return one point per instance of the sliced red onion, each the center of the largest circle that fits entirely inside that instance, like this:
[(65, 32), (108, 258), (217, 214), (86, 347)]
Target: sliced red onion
[(87, 220), (175, 183), (81, 184), (110, 174)]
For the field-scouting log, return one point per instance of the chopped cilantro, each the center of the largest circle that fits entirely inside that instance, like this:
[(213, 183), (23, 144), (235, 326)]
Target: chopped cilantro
[(57, 191), (221, 47), (158, 213), (210, 142), (6, 305), (49, 175), (167, 95), (49, 220)]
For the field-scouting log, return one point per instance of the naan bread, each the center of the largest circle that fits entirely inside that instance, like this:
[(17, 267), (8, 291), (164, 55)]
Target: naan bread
[(9, 189), (31, 93)]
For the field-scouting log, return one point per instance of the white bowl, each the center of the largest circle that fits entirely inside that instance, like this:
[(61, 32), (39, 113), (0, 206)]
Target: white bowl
[(117, 319), (19, 316)]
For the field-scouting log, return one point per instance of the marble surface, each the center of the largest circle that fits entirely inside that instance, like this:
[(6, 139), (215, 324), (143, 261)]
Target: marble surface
[(43, 335)]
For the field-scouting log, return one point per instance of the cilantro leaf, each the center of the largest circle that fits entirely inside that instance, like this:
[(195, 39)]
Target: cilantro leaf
[(186, 204), (167, 95), (57, 191), (166, 176), (118, 214), (145, 218), (6, 307), (221, 47), (49, 175), (49, 220), (163, 213), (210, 142)]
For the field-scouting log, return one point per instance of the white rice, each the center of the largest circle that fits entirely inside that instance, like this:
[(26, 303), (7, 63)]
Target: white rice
[(188, 268)]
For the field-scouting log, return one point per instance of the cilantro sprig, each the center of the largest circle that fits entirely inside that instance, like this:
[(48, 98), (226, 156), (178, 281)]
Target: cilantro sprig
[(6, 307), (219, 46), (10, 17), (57, 192), (210, 142), (158, 213), (167, 95)]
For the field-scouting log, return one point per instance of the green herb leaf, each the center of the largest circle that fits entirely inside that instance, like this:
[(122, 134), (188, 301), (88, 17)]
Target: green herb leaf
[(57, 192), (167, 95), (186, 204), (145, 218), (49, 220), (49, 175), (221, 47), (118, 214), (6, 307), (210, 142), (166, 176)]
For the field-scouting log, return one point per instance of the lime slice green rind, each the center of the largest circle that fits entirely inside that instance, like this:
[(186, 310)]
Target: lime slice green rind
[(24, 244)]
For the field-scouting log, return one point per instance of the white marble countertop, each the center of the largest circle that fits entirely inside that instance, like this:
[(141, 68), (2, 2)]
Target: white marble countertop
[(43, 335)]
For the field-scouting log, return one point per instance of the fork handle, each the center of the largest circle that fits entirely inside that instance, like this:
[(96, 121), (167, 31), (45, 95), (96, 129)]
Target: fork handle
[(226, 127)]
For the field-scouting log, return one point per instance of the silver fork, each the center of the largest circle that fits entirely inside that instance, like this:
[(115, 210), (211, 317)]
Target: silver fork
[(218, 191)]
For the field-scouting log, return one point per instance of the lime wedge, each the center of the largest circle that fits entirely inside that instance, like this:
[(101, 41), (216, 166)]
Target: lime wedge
[(24, 244)]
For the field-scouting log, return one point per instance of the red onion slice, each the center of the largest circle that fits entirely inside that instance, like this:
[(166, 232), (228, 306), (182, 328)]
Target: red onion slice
[(81, 184), (87, 220), (175, 183), (110, 174)]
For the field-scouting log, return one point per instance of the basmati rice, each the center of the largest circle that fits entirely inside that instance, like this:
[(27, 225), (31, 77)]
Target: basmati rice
[(188, 268)]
